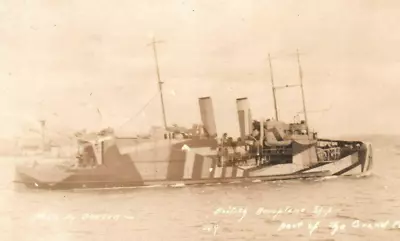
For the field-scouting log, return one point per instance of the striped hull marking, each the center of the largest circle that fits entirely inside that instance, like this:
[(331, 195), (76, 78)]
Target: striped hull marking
[(370, 157), (184, 160), (198, 167), (365, 157), (234, 171), (228, 172), (176, 166), (347, 169), (218, 172), (333, 167), (214, 167), (206, 168), (239, 172), (189, 164), (274, 170)]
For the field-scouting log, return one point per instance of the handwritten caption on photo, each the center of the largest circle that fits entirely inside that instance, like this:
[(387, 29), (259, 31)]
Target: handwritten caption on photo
[(45, 216), (317, 213), (338, 226), (242, 212)]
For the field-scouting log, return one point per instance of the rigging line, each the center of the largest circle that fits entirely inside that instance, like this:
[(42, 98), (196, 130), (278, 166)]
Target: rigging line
[(140, 111)]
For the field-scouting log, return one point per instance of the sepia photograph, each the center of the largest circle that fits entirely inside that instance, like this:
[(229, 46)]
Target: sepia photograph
[(199, 120)]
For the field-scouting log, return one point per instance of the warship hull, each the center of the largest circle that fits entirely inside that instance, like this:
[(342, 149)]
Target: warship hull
[(126, 163), (265, 150)]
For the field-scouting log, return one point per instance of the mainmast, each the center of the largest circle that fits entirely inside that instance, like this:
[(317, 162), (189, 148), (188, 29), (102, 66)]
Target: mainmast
[(302, 89), (273, 87), (160, 83)]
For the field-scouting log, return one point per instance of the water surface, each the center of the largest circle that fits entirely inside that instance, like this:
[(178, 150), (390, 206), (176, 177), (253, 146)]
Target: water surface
[(363, 208)]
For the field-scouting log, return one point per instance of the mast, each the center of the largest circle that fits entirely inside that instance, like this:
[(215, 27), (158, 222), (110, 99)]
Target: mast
[(273, 88), (42, 132), (160, 83), (302, 89)]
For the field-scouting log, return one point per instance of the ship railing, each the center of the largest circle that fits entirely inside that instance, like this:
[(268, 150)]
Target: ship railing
[(329, 154), (227, 150)]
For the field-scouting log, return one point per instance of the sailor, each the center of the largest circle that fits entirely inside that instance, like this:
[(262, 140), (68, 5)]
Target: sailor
[(256, 134), (88, 155), (224, 139), (229, 142), (257, 157)]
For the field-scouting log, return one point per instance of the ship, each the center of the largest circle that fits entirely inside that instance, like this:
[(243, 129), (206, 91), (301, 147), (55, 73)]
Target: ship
[(266, 150)]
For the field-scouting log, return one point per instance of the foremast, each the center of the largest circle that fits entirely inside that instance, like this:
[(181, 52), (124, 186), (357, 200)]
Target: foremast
[(160, 83)]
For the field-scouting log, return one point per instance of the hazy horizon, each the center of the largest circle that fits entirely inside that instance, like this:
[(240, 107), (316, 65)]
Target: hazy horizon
[(63, 60)]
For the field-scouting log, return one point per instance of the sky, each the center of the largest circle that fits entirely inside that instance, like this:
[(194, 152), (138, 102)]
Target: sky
[(87, 64)]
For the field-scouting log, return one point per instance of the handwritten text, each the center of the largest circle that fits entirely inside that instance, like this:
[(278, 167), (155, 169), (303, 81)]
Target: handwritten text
[(83, 217)]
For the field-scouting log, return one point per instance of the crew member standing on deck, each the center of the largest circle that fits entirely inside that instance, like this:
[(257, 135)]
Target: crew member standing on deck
[(223, 152), (88, 155)]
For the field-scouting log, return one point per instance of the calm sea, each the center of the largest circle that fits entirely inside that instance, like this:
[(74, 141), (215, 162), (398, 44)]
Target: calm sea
[(360, 208)]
